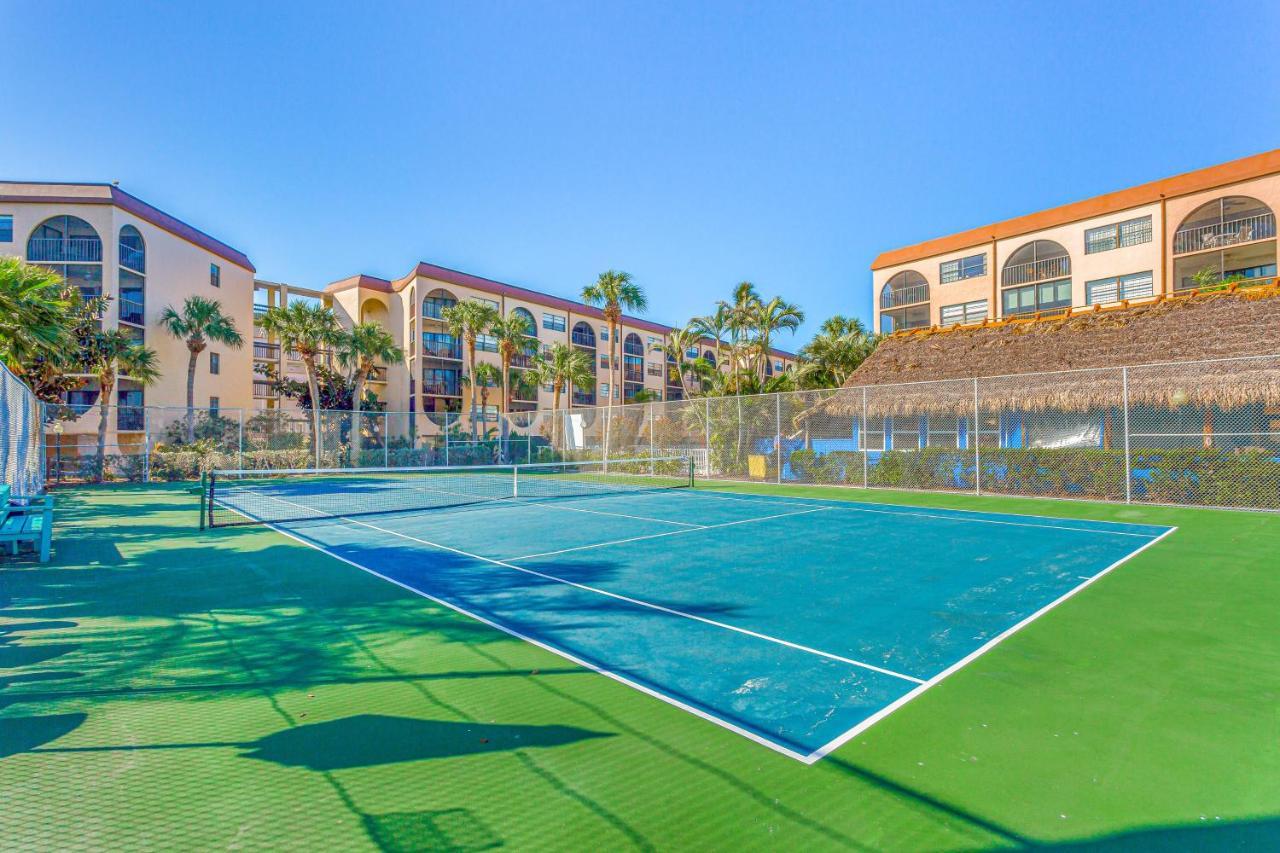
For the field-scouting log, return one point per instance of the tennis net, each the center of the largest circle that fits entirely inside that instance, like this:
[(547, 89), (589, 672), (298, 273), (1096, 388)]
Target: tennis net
[(265, 497)]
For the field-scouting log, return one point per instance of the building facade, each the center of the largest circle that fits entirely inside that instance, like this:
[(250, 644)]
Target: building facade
[(431, 379), (110, 243), (1138, 244), (269, 357)]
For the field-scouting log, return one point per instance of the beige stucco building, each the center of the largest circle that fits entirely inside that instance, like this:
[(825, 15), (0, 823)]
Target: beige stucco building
[(430, 380), (1136, 244)]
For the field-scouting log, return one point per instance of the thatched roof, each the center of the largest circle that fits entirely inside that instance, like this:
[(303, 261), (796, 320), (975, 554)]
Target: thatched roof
[(932, 370)]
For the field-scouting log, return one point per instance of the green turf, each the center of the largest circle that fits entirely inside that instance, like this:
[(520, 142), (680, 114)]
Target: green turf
[(162, 687)]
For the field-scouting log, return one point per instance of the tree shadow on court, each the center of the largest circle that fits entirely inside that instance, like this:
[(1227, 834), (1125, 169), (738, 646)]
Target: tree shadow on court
[(23, 734)]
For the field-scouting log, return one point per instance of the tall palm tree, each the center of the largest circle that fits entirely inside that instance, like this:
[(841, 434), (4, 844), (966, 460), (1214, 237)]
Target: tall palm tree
[(360, 350), (676, 349), (769, 318), (615, 291), (200, 322), (512, 335), (307, 330), (562, 367), (486, 376), (35, 303), (716, 326), (469, 319), (741, 310), (108, 355)]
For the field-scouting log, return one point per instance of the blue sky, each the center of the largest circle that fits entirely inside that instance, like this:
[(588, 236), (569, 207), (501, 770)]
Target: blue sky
[(694, 145)]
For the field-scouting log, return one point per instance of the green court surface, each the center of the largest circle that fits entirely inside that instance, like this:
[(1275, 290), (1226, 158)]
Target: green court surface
[(169, 688)]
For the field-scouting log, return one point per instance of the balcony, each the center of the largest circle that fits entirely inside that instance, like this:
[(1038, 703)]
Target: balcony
[(134, 259), (586, 341), (583, 399), (265, 351), (64, 250), (909, 295), (522, 361), (435, 345), (1038, 270), (632, 348), (131, 419), (132, 309), (633, 374), (442, 389), (264, 389), (1218, 235)]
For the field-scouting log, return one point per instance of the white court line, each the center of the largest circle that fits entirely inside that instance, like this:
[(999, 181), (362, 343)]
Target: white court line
[(667, 533), (551, 505), (837, 742), (637, 601)]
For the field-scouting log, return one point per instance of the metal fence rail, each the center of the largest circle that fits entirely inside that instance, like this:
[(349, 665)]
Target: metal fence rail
[(1201, 433), (20, 437)]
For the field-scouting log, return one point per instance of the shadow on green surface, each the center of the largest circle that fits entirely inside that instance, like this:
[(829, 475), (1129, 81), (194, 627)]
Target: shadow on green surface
[(1211, 835), (368, 740), (24, 734)]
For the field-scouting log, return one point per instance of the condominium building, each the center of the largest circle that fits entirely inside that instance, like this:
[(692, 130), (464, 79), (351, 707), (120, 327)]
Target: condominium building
[(110, 243), (431, 378), (269, 357), (1134, 245)]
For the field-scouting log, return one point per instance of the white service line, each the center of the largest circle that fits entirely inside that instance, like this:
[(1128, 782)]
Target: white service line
[(553, 505), (642, 603), (667, 533)]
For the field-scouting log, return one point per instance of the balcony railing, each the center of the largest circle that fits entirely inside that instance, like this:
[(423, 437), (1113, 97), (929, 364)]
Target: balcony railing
[(1036, 271), (522, 361), (441, 346), (904, 296), (271, 352), (132, 310), (264, 389), (583, 340), (580, 399), (1261, 226), (134, 259), (64, 250), (633, 374), (442, 389)]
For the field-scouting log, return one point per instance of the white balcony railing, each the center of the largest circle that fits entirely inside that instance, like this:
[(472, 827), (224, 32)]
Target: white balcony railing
[(1037, 271), (134, 259), (1260, 226), (900, 296), (64, 250)]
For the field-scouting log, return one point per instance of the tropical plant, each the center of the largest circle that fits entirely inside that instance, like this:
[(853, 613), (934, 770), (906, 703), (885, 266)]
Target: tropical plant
[(108, 355), (512, 335), (613, 292), (676, 349), (717, 326), (306, 330), (769, 318), (487, 376), (468, 320), (646, 395), (34, 305), (360, 349), (831, 357), (563, 367), (200, 322)]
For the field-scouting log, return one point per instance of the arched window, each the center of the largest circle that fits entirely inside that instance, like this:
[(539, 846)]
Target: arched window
[(1227, 240), (1037, 277), (64, 239), (906, 288), (632, 345), (133, 251), (528, 317), (710, 356), (434, 303), (583, 335)]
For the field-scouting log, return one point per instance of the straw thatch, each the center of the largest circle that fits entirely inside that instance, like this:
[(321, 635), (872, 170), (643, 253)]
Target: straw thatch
[(939, 365)]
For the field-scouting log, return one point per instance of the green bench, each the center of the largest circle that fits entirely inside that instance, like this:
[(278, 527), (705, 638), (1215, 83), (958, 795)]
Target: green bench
[(23, 521)]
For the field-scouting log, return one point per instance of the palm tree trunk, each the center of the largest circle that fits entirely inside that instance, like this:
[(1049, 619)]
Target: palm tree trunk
[(191, 395), (471, 367), (555, 407), (505, 359), (357, 392), (313, 387), (106, 384), (613, 360)]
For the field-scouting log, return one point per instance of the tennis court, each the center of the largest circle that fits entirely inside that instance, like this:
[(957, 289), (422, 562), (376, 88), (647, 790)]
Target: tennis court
[(796, 622)]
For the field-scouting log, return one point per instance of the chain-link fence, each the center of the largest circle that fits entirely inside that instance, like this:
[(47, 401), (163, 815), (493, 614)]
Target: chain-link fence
[(1201, 433), (20, 437)]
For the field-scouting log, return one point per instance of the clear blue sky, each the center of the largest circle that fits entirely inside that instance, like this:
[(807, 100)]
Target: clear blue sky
[(694, 145)]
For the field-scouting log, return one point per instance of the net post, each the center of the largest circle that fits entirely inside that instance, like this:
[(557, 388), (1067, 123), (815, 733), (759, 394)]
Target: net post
[(977, 442), (691, 469), (204, 482), (208, 502), (515, 481), (1128, 477)]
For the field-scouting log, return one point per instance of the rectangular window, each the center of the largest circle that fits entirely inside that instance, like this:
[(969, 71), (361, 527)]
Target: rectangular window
[(604, 333), (554, 322), (1049, 296), (777, 367), (604, 362), (604, 388), (215, 275), (6, 229), (874, 434), (1104, 238), (214, 404), (653, 341), (215, 363), (962, 268), (964, 312), (654, 369), (943, 431), (691, 352), (906, 433), (486, 343), (1136, 285)]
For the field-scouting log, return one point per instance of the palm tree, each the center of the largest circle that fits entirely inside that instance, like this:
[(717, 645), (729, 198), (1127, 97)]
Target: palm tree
[(563, 366), (741, 315), (468, 320), (487, 376), (716, 326), (645, 395), (360, 349), (107, 355), (614, 291), (201, 321), (676, 349), (35, 303), (771, 317), (306, 330), (841, 345), (512, 334)]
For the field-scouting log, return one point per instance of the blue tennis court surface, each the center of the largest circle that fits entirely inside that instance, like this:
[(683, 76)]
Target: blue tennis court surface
[(795, 622)]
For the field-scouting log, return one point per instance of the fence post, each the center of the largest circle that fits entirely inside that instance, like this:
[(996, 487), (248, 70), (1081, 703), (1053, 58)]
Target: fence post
[(386, 439), (865, 449), (1128, 478), (240, 443), (651, 441), (146, 444), (777, 398), (706, 426), (977, 449)]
